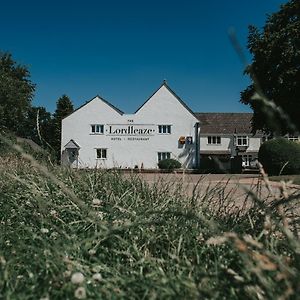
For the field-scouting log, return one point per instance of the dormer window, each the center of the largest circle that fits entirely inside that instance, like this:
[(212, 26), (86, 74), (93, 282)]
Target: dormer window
[(97, 129), (214, 140), (242, 140)]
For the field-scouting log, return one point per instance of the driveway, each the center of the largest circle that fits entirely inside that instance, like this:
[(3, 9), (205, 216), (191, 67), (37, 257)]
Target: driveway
[(219, 188)]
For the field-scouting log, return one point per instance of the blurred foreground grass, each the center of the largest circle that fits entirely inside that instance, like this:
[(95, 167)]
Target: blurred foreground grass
[(295, 179), (97, 235)]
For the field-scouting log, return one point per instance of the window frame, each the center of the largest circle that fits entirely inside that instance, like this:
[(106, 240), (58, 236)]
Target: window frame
[(211, 138), (97, 126), (247, 159), (242, 138), (164, 129), (102, 150), (293, 138)]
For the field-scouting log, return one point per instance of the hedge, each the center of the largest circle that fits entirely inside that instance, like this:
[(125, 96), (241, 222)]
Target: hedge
[(280, 156), (169, 164)]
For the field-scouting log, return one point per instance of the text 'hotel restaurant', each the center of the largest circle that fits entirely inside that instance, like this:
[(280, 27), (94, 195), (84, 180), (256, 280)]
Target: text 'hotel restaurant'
[(98, 134)]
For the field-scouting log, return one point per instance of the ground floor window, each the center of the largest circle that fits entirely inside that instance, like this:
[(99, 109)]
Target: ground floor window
[(293, 138), (101, 153), (163, 155), (247, 159)]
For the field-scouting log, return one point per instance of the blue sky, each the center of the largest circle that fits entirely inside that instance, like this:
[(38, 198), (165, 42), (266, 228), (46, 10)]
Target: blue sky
[(122, 50)]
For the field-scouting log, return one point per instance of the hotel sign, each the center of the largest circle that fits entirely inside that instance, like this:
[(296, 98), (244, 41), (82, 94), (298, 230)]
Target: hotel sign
[(136, 130)]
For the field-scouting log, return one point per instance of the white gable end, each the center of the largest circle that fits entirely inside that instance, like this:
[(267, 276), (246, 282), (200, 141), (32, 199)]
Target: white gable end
[(165, 106)]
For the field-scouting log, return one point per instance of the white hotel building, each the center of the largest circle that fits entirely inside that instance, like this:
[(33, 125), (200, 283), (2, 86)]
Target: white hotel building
[(98, 134)]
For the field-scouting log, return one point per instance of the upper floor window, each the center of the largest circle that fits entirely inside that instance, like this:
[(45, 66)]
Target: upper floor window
[(97, 128), (214, 140), (101, 153), (163, 155), (164, 129), (242, 140)]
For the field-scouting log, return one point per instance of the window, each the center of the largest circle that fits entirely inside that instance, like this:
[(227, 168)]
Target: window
[(163, 155), (293, 138), (164, 129), (246, 160), (242, 140), (214, 140), (101, 153), (97, 129)]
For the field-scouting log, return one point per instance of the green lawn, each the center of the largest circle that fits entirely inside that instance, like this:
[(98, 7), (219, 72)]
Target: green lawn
[(99, 235)]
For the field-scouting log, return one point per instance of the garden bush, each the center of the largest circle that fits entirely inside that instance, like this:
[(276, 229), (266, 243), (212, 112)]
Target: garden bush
[(169, 164), (280, 156)]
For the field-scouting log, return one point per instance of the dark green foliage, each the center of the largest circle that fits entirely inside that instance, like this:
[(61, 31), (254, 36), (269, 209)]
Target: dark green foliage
[(38, 117), (64, 107), (280, 156), (169, 164), (275, 69), (16, 93)]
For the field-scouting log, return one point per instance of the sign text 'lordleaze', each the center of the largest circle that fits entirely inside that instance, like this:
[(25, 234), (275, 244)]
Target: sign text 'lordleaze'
[(131, 130)]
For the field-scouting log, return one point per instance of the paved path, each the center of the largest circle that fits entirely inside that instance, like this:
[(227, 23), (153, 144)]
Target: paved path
[(221, 188)]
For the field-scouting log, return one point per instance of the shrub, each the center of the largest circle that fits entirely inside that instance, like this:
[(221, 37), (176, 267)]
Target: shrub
[(169, 164), (280, 156)]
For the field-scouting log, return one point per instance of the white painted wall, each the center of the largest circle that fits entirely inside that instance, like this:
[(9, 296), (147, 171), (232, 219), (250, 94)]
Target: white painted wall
[(162, 108), (254, 144), (227, 143)]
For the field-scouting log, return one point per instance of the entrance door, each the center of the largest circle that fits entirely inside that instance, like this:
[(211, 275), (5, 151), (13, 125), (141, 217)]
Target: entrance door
[(70, 157)]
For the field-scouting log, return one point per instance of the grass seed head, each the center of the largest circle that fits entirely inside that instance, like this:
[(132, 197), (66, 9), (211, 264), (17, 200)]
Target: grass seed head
[(97, 277), (77, 278), (80, 293)]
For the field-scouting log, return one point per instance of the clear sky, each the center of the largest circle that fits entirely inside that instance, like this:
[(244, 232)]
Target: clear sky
[(123, 49)]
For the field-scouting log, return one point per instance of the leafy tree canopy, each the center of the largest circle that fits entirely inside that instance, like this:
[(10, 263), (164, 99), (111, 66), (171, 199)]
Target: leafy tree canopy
[(64, 107), (16, 93), (275, 69)]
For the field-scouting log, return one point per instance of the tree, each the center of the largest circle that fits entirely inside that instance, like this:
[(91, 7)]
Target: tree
[(64, 107), (16, 93), (38, 125), (275, 70)]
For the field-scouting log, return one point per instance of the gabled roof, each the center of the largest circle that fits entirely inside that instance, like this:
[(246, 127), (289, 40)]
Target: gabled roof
[(173, 93), (102, 99), (225, 123), (72, 145)]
